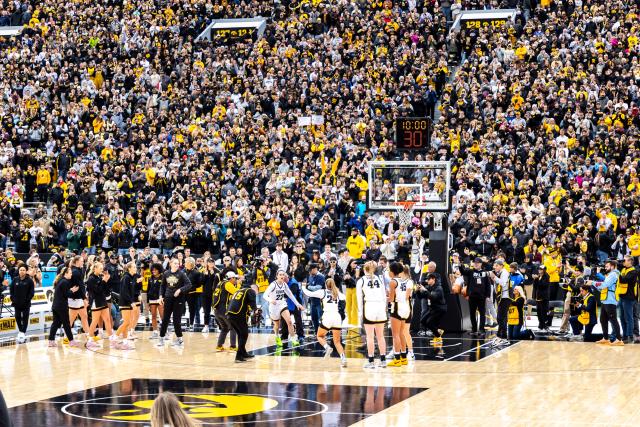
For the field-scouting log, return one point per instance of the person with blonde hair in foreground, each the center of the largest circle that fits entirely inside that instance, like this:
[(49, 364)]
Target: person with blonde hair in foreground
[(166, 412)]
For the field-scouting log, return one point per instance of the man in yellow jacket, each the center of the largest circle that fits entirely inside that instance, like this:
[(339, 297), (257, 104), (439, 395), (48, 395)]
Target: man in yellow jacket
[(553, 263), (356, 244), (43, 179)]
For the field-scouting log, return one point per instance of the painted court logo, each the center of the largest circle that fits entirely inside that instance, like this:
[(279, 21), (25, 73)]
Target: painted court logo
[(207, 409)]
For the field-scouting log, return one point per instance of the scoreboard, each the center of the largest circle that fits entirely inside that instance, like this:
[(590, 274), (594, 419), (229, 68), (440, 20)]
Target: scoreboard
[(413, 133)]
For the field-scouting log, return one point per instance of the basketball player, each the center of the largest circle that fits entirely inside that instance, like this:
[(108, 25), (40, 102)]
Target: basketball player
[(98, 289), (399, 296), (275, 296), (153, 298), (372, 309), (406, 274), (331, 319)]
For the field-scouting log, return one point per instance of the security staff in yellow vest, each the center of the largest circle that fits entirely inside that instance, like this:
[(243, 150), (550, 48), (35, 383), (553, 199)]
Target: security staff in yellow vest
[(627, 291), (240, 305), (586, 316), (221, 295)]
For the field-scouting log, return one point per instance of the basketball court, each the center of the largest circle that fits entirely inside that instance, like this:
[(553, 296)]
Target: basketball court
[(532, 383)]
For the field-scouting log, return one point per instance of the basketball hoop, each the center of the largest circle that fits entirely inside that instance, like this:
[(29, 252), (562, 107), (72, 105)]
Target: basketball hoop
[(405, 212)]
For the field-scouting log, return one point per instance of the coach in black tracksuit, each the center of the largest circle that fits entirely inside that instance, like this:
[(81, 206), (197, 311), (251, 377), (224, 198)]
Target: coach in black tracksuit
[(174, 288), (21, 291), (478, 290), (241, 302)]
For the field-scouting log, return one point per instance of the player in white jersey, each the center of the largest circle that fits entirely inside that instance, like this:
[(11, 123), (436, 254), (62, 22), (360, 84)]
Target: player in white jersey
[(331, 317), (372, 309), (276, 295), (399, 297)]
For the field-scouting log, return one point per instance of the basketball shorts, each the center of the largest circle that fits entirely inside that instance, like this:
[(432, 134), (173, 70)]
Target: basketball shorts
[(75, 304), (375, 312), (331, 320), (275, 310)]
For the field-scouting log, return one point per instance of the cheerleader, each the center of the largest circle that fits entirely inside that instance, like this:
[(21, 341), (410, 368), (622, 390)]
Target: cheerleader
[(78, 301), (276, 295), (372, 309), (98, 289), (331, 319), (135, 305), (153, 296), (127, 292), (63, 290), (399, 297)]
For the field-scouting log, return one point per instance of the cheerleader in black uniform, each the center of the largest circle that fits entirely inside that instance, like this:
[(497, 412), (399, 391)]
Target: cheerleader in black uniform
[(98, 288), (78, 301), (127, 292), (135, 305), (153, 296), (62, 291)]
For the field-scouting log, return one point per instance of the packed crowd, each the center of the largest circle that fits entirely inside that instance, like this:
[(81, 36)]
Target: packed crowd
[(134, 135)]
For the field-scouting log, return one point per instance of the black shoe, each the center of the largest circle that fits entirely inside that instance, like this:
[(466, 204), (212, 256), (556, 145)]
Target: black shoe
[(248, 356), (240, 359)]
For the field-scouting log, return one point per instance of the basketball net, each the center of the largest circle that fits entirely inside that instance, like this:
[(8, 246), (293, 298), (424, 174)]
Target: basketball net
[(405, 212)]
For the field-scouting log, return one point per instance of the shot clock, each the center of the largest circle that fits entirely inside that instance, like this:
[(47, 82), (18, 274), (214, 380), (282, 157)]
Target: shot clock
[(413, 133)]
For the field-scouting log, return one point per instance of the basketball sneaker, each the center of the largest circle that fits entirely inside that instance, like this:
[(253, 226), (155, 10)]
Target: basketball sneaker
[(160, 342), (220, 348), (91, 345), (205, 330), (327, 350), (369, 365), (65, 340), (233, 348), (404, 361), (343, 360), (178, 342), (52, 344), (294, 342), (278, 342), (154, 335), (411, 356), (394, 363)]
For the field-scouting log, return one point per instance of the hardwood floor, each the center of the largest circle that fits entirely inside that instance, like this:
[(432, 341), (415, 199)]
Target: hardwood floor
[(532, 383)]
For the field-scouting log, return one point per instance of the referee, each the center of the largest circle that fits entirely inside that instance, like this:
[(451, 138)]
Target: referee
[(242, 301)]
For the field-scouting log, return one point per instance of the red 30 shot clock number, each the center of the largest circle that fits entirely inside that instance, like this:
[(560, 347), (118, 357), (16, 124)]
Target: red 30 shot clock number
[(413, 133)]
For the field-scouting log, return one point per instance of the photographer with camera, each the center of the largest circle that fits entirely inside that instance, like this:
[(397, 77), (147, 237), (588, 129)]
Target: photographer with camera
[(586, 314)]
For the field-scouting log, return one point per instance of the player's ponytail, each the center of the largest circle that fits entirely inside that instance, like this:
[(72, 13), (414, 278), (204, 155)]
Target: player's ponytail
[(331, 286)]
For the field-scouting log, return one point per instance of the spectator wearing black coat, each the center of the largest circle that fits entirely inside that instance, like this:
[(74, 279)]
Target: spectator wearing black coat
[(541, 295)]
